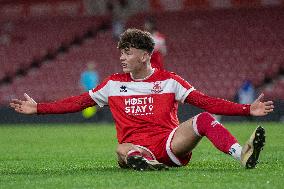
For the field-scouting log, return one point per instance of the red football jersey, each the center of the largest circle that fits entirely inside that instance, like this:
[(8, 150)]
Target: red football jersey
[(142, 109)]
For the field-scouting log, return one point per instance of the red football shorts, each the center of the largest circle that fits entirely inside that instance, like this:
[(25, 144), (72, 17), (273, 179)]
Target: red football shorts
[(162, 150)]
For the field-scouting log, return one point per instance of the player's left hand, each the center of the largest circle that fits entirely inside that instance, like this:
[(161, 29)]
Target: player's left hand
[(259, 108)]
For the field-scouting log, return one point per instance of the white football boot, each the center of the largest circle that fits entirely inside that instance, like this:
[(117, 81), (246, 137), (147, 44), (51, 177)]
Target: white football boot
[(251, 149)]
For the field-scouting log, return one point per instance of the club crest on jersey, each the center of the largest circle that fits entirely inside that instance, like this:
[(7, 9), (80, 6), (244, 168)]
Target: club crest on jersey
[(123, 88), (157, 87)]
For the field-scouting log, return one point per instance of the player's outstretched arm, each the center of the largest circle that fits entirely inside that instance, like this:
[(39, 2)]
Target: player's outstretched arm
[(27, 106), (224, 107), (67, 105), (258, 108)]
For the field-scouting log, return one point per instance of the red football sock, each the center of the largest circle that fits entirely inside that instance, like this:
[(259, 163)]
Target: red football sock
[(205, 124)]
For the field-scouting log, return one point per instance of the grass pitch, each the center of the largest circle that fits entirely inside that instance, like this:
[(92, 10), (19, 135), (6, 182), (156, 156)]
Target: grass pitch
[(83, 156)]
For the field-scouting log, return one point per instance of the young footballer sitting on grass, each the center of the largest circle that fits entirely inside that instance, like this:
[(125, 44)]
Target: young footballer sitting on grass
[(144, 103)]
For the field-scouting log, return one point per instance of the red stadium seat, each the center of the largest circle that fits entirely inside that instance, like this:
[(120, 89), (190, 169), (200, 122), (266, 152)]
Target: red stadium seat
[(214, 50)]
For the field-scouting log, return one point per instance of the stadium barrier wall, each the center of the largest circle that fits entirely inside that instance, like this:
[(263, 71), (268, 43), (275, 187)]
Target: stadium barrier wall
[(7, 115)]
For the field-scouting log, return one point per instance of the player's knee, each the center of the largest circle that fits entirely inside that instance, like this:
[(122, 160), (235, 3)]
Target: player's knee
[(201, 121)]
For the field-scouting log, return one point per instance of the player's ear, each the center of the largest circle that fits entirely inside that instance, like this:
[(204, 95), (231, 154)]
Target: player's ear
[(146, 56)]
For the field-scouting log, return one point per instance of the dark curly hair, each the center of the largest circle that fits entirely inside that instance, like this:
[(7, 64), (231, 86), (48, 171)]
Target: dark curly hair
[(137, 39)]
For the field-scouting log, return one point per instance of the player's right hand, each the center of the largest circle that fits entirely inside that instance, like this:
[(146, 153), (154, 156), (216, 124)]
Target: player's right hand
[(28, 106)]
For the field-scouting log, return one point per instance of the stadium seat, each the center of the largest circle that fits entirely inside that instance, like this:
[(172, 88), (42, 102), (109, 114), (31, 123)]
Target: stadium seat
[(214, 50)]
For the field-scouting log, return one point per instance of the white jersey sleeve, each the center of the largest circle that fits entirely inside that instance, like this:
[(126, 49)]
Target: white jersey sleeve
[(182, 88), (100, 94)]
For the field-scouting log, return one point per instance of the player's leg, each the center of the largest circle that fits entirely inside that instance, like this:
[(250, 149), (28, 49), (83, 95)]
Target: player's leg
[(122, 151), (189, 133), (126, 150), (184, 139), (137, 157)]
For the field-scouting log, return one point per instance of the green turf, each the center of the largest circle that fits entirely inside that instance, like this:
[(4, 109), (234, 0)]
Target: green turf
[(83, 156)]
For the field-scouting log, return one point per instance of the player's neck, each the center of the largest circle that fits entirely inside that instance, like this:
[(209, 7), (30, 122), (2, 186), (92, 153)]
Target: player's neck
[(142, 74)]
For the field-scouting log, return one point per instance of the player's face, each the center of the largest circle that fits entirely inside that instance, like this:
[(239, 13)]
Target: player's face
[(132, 60)]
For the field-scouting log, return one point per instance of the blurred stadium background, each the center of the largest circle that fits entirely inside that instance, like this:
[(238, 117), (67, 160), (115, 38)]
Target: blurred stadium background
[(214, 44)]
